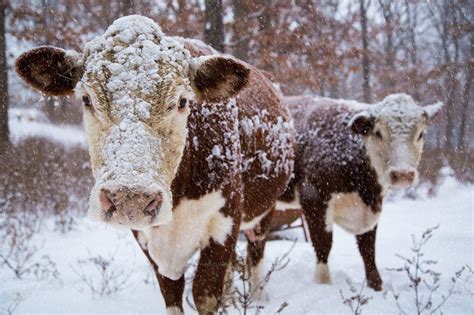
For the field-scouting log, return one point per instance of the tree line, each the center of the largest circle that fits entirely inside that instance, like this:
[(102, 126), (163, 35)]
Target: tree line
[(360, 49)]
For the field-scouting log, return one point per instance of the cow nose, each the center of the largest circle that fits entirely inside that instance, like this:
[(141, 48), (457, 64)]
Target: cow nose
[(402, 176), (124, 199)]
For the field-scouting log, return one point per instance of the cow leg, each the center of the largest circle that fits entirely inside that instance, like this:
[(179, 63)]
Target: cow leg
[(172, 290), (208, 282), (366, 244), (255, 253), (321, 236)]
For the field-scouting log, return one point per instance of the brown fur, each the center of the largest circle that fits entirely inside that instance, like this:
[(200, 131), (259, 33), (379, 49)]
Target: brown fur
[(213, 76), (49, 70)]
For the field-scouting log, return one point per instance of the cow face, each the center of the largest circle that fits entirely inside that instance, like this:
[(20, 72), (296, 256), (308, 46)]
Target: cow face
[(393, 132), (137, 87)]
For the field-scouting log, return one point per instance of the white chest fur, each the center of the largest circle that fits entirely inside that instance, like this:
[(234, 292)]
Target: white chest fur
[(194, 223), (350, 213)]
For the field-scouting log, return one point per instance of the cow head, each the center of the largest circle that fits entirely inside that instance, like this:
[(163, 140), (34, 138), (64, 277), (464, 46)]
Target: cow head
[(393, 132), (137, 86)]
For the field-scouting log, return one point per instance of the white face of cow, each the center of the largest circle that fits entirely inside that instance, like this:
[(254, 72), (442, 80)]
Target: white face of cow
[(137, 86), (393, 131)]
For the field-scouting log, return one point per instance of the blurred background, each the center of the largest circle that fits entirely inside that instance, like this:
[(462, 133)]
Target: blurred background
[(360, 49)]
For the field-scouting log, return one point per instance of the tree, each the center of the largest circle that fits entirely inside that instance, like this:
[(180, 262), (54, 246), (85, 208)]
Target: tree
[(241, 34), (127, 7), (214, 26), (466, 15), (4, 133), (389, 14), (365, 51)]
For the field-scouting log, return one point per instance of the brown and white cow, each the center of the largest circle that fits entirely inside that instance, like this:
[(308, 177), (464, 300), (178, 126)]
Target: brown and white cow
[(347, 155), (174, 156)]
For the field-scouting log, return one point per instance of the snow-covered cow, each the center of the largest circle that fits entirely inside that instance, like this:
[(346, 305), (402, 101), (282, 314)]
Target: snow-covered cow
[(347, 155), (175, 157)]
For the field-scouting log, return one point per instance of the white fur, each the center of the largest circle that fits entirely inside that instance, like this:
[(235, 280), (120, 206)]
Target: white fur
[(194, 223), (142, 240), (294, 204), (174, 310), (322, 274), (256, 277), (350, 212), (379, 164), (252, 223)]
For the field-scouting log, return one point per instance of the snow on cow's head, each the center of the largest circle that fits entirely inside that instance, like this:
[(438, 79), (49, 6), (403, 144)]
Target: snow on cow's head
[(393, 131), (137, 86)]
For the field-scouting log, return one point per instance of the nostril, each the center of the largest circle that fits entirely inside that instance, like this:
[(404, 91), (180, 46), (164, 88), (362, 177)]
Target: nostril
[(106, 202), (411, 175), (394, 176), (152, 208)]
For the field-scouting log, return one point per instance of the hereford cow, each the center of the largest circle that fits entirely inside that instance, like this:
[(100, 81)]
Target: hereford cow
[(174, 156), (347, 155)]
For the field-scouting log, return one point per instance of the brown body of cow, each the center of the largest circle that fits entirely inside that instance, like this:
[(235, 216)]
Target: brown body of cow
[(224, 162), (346, 158)]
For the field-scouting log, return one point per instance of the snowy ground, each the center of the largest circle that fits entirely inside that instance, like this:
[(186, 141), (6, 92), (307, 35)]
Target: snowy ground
[(452, 246)]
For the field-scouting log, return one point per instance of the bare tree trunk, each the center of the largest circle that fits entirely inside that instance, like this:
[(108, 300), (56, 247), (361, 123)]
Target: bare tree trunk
[(265, 36), (241, 37), (127, 7), (412, 21), (365, 52), (388, 14), (4, 133), (214, 26), (466, 95), (450, 76)]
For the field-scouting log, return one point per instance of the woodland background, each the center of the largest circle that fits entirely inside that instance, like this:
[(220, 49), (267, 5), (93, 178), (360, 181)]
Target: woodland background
[(352, 49)]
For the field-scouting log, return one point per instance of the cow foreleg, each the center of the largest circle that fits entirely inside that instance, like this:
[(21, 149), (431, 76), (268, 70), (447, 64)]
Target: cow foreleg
[(172, 290), (255, 254), (321, 236), (366, 244), (210, 274)]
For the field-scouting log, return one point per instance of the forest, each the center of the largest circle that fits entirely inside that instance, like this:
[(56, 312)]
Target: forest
[(361, 50)]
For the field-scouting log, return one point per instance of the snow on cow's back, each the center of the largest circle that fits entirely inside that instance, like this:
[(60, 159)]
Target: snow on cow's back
[(322, 128)]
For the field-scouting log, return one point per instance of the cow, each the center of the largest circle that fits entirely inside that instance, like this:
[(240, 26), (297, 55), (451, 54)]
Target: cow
[(187, 146), (348, 154)]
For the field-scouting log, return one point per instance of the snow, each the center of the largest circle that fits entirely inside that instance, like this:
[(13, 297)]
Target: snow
[(278, 135), (293, 26), (24, 123), (452, 246)]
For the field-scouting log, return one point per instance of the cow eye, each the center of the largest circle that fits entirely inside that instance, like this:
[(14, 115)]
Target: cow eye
[(182, 103), (422, 134), (86, 100), (378, 134)]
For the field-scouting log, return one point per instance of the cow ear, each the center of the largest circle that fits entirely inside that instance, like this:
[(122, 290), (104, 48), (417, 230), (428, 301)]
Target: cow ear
[(430, 111), (362, 123), (216, 78), (52, 71)]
